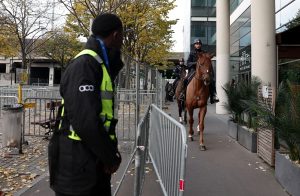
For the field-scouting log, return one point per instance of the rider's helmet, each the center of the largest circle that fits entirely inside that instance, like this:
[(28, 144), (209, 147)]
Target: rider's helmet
[(197, 41)]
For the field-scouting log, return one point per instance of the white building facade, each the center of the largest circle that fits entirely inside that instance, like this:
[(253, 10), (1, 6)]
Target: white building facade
[(252, 38)]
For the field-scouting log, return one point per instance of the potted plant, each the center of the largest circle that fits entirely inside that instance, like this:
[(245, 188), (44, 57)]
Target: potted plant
[(287, 125), (247, 126), (263, 107), (233, 105)]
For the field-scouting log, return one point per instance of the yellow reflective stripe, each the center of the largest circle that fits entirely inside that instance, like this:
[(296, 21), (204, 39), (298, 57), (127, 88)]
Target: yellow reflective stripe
[(112, 137), (86, 51), (107, 109), (90, 52), (74, 136), (106, 84), (62, 113)]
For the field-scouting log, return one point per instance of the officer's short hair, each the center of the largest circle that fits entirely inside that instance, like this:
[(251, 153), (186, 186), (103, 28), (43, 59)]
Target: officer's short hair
[(106, 23)]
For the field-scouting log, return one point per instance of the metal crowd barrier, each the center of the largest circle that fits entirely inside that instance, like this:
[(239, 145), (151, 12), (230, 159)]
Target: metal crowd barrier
[(31, 91), (7, 100), (168, 151), (39, 116), (162, 139), (142, 143)]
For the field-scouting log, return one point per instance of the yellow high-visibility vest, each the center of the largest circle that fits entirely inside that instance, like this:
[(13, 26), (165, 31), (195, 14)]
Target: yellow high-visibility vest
[(106, 90)]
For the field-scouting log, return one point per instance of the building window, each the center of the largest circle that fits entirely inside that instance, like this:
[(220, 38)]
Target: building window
[(203, 8), (234, 4), (206, 31), (240, 47), (204, 3)]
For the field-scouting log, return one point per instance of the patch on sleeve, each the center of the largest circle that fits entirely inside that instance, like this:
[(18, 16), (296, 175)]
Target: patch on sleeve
[(86, 88)]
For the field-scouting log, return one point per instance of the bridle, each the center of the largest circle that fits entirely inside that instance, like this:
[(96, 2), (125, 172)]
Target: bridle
[(202, 73)]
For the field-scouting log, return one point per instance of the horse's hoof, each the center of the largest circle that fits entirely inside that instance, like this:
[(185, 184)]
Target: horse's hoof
[(202, 147), (191, 137)]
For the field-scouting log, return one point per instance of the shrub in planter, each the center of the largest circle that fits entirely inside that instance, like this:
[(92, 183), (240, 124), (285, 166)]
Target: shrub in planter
[(287, 119), (233, 105), (247, 135), (286, 123), (237, 96)]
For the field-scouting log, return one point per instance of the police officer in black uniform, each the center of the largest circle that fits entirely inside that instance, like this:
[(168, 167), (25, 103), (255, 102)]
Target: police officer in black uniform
[(191, 64), (177, 71), (83, 151)]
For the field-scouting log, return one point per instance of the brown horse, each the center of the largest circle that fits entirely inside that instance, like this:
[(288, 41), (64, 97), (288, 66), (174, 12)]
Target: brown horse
[(197, 94), (181, 102)]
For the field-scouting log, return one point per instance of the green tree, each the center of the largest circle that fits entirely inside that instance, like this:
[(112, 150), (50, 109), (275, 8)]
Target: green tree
[(147, 29), (295, 21), (60, 47), (8, 45), (28, 20), (81, 11), (147, 32)]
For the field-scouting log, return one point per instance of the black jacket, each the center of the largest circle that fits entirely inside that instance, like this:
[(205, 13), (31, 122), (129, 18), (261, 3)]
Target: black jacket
[(80, 163), (192, 60), (178, 69)]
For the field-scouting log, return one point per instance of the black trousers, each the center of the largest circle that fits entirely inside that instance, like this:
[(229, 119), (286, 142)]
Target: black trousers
[(102, 188)]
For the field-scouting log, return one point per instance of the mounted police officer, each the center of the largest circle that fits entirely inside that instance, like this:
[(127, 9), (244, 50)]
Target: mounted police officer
[(191, 64), (177, 71), (83, 150)]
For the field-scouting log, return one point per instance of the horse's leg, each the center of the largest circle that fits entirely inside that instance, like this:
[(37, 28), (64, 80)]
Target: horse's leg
[(202, 113), (184, 112), (191, 121), (179, 110), (185, 116)]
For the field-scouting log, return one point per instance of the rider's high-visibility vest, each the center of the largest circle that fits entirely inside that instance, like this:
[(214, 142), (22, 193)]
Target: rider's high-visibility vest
[(106, 90)]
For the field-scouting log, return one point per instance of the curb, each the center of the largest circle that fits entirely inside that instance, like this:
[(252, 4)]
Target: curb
[(37, 180)]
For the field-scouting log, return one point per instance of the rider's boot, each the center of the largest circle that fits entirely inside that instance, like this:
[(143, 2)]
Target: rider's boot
[(213, 99), (212, 91)]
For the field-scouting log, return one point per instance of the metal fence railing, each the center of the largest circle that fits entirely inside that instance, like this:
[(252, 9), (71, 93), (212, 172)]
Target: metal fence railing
[(168, 151), (31, 91), (39, 116), (142, 144), (161, 139)]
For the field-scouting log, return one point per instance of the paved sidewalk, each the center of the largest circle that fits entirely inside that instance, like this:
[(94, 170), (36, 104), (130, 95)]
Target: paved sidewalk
[(226, 168)]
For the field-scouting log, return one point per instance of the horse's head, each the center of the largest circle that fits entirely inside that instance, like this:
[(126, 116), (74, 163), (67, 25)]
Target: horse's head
[(204, 68)]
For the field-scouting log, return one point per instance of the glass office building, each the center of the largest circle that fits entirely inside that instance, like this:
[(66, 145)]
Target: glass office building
[(287, 44), (203, 23)]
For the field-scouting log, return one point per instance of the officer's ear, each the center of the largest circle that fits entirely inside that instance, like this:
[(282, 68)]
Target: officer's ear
[(115, 34)]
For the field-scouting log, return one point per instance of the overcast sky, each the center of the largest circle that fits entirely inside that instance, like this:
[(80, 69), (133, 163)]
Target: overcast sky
[(177, 13)]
